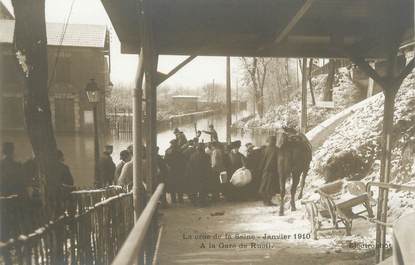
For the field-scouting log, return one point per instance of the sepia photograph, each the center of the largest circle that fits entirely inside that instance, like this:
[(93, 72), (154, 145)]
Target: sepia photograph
[(207, 132)]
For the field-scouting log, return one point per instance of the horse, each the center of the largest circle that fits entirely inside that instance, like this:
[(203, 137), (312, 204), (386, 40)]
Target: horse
[(293, 160)]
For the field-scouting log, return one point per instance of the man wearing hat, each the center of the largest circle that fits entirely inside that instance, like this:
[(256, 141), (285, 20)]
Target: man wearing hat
[(268, 167), (180, 137), (106, 168)]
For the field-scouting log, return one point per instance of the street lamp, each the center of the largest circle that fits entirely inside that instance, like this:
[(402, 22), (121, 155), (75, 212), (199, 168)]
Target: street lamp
[(92, 92)]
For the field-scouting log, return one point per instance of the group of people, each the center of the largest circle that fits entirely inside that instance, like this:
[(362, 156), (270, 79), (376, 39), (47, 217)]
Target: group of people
[(194, 168), (20, 178), (189, 167)]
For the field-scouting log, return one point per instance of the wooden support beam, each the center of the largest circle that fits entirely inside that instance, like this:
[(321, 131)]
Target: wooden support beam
[(303, 121), (365, 67), (228, 100), (162, 77), (297, 17), (137, 139)]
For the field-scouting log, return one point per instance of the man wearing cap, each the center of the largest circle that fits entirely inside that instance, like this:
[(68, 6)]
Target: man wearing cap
[(213, 134), (268, 168), (106, 168)]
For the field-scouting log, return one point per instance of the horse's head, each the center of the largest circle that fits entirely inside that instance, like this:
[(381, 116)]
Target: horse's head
[(281, 137)]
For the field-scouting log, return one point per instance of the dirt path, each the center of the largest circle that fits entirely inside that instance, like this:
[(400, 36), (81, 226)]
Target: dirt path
[(232, 233)]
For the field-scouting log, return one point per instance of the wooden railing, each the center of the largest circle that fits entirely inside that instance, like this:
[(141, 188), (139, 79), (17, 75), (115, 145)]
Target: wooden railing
[(91, 231), (380, 250), (142, 242)]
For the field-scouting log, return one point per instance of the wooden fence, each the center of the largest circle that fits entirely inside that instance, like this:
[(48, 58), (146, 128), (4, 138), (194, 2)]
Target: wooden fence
[(90, 232)]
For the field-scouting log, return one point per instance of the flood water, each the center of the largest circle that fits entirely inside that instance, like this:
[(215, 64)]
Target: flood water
[(79, 149)]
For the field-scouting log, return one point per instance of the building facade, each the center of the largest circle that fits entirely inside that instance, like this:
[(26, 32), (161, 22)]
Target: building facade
[(82, 54)]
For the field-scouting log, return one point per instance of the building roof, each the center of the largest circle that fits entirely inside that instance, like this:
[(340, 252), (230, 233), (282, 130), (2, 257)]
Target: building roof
[(185, 96), (269, 28), (76, 35)]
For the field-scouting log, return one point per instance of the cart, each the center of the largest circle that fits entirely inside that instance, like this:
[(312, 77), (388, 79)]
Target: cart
[(338, 206)]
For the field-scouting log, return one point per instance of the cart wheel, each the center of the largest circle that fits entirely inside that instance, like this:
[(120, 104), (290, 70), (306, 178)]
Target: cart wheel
[(313, 218), (348, 225)]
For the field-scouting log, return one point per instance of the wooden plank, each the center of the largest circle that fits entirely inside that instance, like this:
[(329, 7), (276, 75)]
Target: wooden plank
[(296, 18), (163, 77)]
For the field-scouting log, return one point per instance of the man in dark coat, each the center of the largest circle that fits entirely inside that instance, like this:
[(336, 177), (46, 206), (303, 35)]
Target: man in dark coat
[(268, 166), (11, 175), (162, 172), (236, 160), (176, 162), (180, 137), (198, 170), (253, 159), (106, 168)]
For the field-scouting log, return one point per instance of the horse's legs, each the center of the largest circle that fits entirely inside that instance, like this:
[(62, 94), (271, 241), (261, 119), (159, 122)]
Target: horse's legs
[(296, 179), (282, 194), (303, 175)]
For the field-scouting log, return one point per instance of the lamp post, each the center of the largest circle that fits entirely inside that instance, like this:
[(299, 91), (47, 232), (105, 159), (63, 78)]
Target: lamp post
[(92, 92)]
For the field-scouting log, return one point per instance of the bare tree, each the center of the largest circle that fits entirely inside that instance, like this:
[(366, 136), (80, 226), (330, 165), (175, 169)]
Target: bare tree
[(31, 49), (328, 88), (257, 69)]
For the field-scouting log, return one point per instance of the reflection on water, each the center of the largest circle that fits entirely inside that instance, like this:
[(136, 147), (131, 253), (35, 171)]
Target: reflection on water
[(79, 149)]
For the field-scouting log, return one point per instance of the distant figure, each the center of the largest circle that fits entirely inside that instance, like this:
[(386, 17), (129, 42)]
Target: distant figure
[(213, 134), (180, 137), (268, 168), (65, 180), (11, 175), (124, 158), (198, 171), (106, 168), (130, 149), (196, 140), (176, 181), (65, 176)]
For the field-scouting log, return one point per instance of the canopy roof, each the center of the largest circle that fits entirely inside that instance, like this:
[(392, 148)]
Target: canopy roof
[(271, 28)]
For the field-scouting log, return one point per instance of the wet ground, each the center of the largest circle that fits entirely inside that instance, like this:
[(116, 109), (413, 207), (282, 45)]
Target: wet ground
[(233, 233)]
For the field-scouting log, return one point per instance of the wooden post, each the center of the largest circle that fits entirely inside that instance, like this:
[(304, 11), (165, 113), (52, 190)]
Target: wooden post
[(137, 138), (390, 88), (303, 121), (228, 100), (310, 77)]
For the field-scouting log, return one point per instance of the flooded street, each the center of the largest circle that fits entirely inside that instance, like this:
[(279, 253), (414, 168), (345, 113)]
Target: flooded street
[(79, 149)]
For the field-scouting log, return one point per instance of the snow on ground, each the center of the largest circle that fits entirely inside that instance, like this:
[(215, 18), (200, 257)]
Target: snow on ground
[(360, 136)]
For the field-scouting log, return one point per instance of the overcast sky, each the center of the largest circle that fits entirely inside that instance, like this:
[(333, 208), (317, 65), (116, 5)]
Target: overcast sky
[(200, 71)]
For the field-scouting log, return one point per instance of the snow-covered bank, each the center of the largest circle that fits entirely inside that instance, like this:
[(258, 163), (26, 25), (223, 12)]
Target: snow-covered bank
[(353, 150), (345, 93)]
